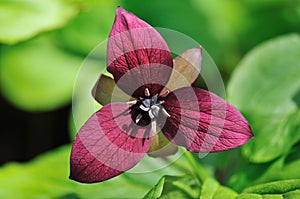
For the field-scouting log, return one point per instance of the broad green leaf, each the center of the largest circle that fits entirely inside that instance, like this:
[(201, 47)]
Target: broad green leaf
[(224, 192), (281, 170), (209, 187), (156, 191), (189, 187), (265, 87), (90, 27), (278, 187), (289, 195), (292, 195), (47, 177), (212, 189), (83, 103), (285, 168), (248, 173), (36, 75), (22, 19), (175, 187)]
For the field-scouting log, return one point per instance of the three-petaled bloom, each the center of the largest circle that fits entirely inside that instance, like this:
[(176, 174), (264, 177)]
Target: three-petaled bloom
[(116, 138)]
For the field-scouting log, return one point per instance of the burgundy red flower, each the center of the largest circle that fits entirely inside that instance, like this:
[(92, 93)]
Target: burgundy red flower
[(116, 138)]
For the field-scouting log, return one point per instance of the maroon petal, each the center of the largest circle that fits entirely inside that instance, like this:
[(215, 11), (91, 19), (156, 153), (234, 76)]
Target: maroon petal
[(108, 144), (137, 55), (203, 122)]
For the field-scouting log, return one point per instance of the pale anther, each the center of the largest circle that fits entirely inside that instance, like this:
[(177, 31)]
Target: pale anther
[(133, 102), (144, 108), (147, 92), (164, 94), (165, 112), (153, 126), (151, 115), (154, 107)]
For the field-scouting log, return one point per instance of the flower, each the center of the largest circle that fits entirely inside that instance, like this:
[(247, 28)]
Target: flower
[(115, 138)]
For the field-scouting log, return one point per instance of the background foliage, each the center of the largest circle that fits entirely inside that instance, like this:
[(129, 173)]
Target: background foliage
[(255, 44)]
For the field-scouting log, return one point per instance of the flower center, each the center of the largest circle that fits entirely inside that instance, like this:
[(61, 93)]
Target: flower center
[(150, 105), (148, 109)]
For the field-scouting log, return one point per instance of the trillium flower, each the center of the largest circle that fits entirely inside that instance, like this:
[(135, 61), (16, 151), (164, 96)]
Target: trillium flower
[(160, 99)]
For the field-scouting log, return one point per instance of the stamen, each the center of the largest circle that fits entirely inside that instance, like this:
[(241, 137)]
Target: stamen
[(165, 93), (133, 102), (155, 107), (147, 92), (144, 108), (165, 112), (161, 102), (154, 110), (153, 126), (138, 118), (151, 115)]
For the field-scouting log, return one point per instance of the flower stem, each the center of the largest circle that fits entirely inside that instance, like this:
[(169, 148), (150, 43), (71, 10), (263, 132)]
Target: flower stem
[(197, 168)]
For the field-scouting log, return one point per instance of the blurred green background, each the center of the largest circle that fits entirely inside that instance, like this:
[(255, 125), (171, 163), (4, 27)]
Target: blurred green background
[(255, 44)]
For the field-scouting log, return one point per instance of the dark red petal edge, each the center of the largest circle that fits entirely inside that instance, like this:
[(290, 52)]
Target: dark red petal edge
[(204, 122)]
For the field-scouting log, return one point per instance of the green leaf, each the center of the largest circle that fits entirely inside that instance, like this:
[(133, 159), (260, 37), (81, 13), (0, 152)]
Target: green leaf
[(279, 187), (47, 177), (212, 189), (281, 171), (89, 28), (175, 187), (265, 87), (249, 173), (36, 75), (156, 191), (83, 103), (32, 177), (285, 168), (23, 19), (224, 192)]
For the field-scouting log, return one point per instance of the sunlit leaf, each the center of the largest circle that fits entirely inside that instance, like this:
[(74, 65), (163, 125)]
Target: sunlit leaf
[(175, 187), (83, 103), (289, 195), (278, 187), (156, 191), (22, 19), (212, 189), (289, 171), (265, 88), (249, 174), (90, 27), (282, 169), (36, 75), (47, 177)]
